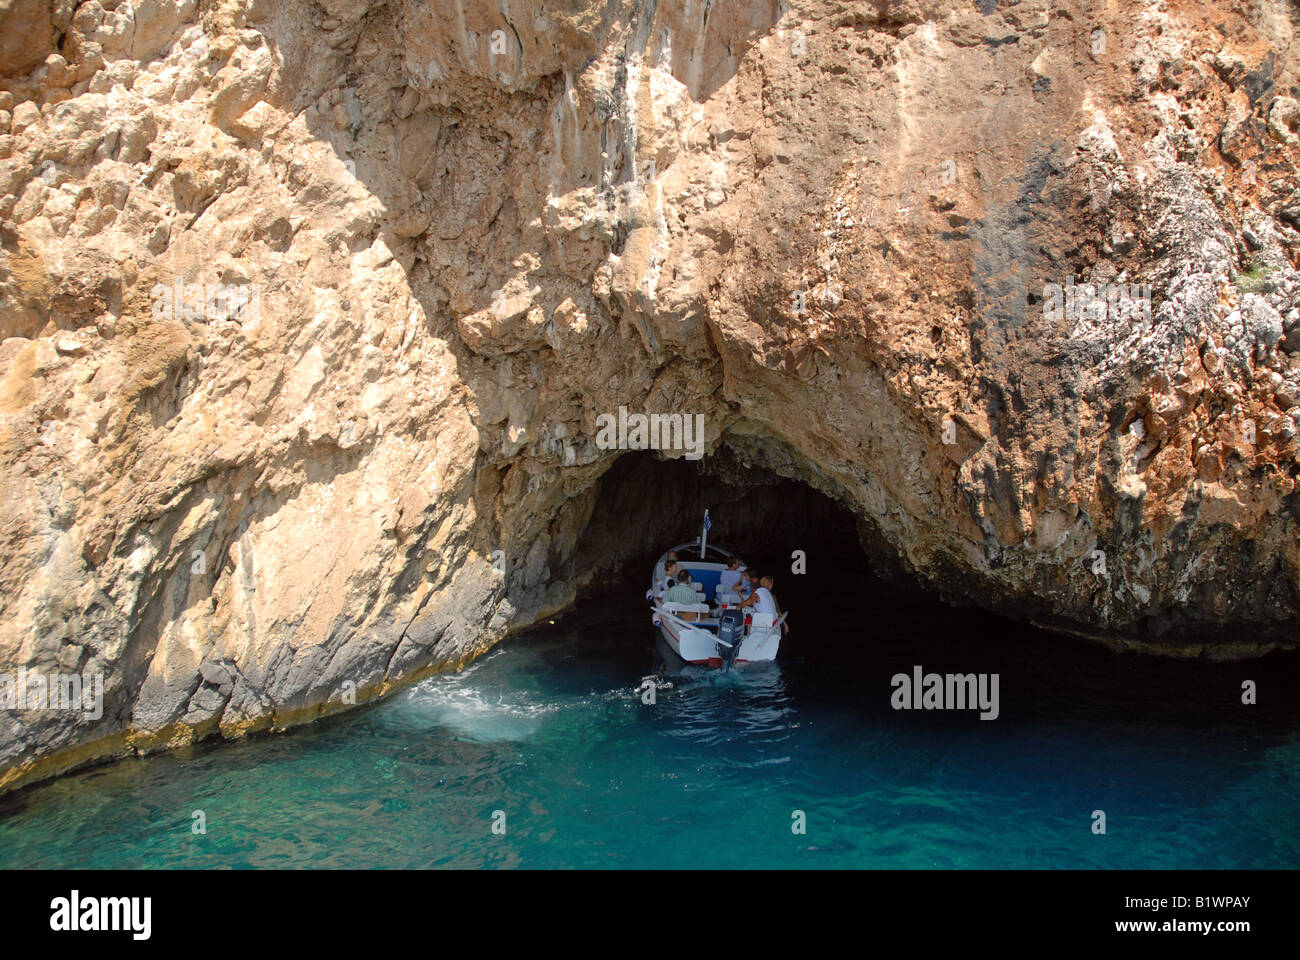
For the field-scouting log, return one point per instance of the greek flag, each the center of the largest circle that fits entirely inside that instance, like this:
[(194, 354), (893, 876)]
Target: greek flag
[(708, 524)]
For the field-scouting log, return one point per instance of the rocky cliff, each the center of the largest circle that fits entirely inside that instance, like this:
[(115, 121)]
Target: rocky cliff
[(310, 309)]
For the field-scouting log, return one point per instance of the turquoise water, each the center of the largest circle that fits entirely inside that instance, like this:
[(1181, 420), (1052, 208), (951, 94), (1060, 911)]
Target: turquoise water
[(548, 730)]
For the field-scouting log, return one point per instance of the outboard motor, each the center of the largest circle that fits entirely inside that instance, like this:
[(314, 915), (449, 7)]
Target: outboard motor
[(731, 628)]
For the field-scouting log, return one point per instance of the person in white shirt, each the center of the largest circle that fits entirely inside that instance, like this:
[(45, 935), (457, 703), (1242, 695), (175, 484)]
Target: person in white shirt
[(662, 583), (762, 599), (730, 576), (668, 579), (767, 583), (670, 557)]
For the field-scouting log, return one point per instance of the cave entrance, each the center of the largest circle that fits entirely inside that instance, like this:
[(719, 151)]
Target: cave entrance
[(847, 598), (856, 615), (645, 504)]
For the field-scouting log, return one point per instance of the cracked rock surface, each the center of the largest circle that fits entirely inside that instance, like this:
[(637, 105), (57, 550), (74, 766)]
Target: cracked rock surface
[(458, 233)]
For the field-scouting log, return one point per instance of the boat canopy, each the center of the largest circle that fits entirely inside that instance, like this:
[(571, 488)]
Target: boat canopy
[(716, 553)]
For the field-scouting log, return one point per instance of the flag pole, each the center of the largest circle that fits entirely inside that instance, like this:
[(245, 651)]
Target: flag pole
[(704, 534)]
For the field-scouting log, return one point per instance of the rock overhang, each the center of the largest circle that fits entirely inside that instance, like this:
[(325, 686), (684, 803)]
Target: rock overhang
[(795, 223)]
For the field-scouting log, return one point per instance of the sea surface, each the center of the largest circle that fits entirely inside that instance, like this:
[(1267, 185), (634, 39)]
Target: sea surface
[(543, 753)]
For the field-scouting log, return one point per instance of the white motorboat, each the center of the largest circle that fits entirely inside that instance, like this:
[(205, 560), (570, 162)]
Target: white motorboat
[(714, 631)]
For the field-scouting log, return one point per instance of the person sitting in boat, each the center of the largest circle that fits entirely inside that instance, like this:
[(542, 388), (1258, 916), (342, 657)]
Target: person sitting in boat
[(661, 568), (752, 597), (663, 582), (683, 592), (747, 582), (766, 585), (730, 577), (762, 600)]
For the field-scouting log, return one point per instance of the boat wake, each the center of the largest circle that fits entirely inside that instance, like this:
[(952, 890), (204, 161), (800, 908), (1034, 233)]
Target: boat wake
[(484, 709)]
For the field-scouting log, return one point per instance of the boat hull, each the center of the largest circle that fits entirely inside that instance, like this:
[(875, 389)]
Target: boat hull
[(700, 647)]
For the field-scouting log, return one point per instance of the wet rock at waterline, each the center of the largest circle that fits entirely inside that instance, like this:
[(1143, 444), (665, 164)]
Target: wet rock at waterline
[(310, 311)]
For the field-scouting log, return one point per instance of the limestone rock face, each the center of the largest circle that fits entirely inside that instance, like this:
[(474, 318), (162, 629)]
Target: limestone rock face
[(309, 312)]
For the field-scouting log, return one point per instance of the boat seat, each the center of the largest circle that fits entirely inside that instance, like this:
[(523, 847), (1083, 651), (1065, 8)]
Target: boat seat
[(683, 609)]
